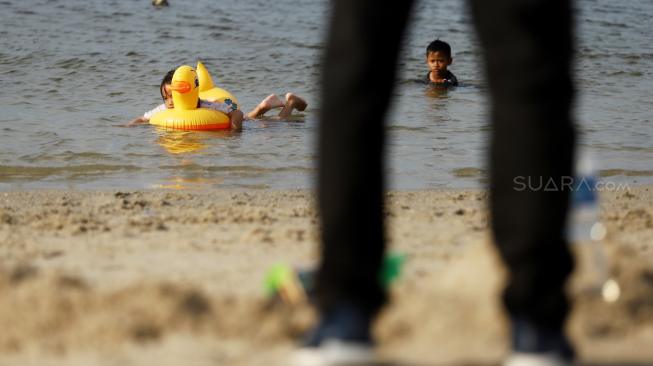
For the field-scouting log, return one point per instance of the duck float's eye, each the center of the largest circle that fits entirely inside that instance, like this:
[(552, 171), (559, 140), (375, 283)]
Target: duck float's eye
[(197, 83)]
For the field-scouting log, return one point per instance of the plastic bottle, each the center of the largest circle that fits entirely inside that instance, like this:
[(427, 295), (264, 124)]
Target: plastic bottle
[(585, 231), (584, 222)]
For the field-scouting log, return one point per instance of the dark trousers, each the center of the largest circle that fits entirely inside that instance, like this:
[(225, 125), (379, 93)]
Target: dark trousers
[(527, 52)]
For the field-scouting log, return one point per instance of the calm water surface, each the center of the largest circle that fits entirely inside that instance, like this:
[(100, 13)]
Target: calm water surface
[(72, 72)]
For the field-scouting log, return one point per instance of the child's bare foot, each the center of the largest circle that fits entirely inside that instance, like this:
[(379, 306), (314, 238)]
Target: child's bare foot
[(270, 102), (292, 102), (297, 102)]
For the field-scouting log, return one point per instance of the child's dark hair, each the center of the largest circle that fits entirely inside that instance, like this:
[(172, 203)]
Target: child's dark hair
[(166, 80), (439, 46)]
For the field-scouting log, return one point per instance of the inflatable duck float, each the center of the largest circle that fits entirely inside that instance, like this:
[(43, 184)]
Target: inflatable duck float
[(208, 91), (186, 115)]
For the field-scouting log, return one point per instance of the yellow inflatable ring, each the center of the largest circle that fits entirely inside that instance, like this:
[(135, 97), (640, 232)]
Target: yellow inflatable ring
[(186, 115), (210, 92)]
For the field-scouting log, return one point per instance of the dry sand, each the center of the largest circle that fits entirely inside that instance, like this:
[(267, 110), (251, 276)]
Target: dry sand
[(160, 278)]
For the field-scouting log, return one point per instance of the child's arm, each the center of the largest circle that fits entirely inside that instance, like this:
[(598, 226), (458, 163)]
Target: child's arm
[(230, 109), (146, 116), (236, 120), (138, 121)]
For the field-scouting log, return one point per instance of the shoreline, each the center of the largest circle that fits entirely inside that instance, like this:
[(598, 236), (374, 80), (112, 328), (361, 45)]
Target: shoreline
[(106, 277)]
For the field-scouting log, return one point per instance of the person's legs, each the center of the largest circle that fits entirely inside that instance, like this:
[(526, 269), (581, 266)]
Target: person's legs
[(270, 102), (293, 101), (358, 76), (528, 49)]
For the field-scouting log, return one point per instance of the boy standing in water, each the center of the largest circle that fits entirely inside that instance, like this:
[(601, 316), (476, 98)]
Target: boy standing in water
[(438, 59)]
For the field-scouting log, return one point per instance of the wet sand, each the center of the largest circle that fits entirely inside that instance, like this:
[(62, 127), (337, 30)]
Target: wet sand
[(171, 278)]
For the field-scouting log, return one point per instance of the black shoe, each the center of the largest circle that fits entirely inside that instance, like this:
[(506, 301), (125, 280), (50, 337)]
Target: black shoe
[(535, 345), (342, 337)]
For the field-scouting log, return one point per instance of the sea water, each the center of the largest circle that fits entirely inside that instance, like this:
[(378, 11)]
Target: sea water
[(73, 72)]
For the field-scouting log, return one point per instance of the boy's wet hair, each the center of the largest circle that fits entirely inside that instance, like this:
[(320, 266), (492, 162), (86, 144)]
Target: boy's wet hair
[(439, 46), (166, 80)]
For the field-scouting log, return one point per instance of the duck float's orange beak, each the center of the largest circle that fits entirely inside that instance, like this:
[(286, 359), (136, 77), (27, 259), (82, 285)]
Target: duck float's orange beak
[(182, 87)]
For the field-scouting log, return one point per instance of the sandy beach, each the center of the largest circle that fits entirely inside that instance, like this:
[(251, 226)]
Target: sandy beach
[(172, 278)]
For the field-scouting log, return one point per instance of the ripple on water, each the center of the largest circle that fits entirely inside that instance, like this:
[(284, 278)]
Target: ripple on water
[(625, 172), (121, 14), (28, 173), (67, 156), (469, 172), (25, 12), (246, 169)]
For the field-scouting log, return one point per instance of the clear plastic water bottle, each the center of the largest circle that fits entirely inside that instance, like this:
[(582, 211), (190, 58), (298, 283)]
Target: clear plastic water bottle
[(584, 220), (586, 231)]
